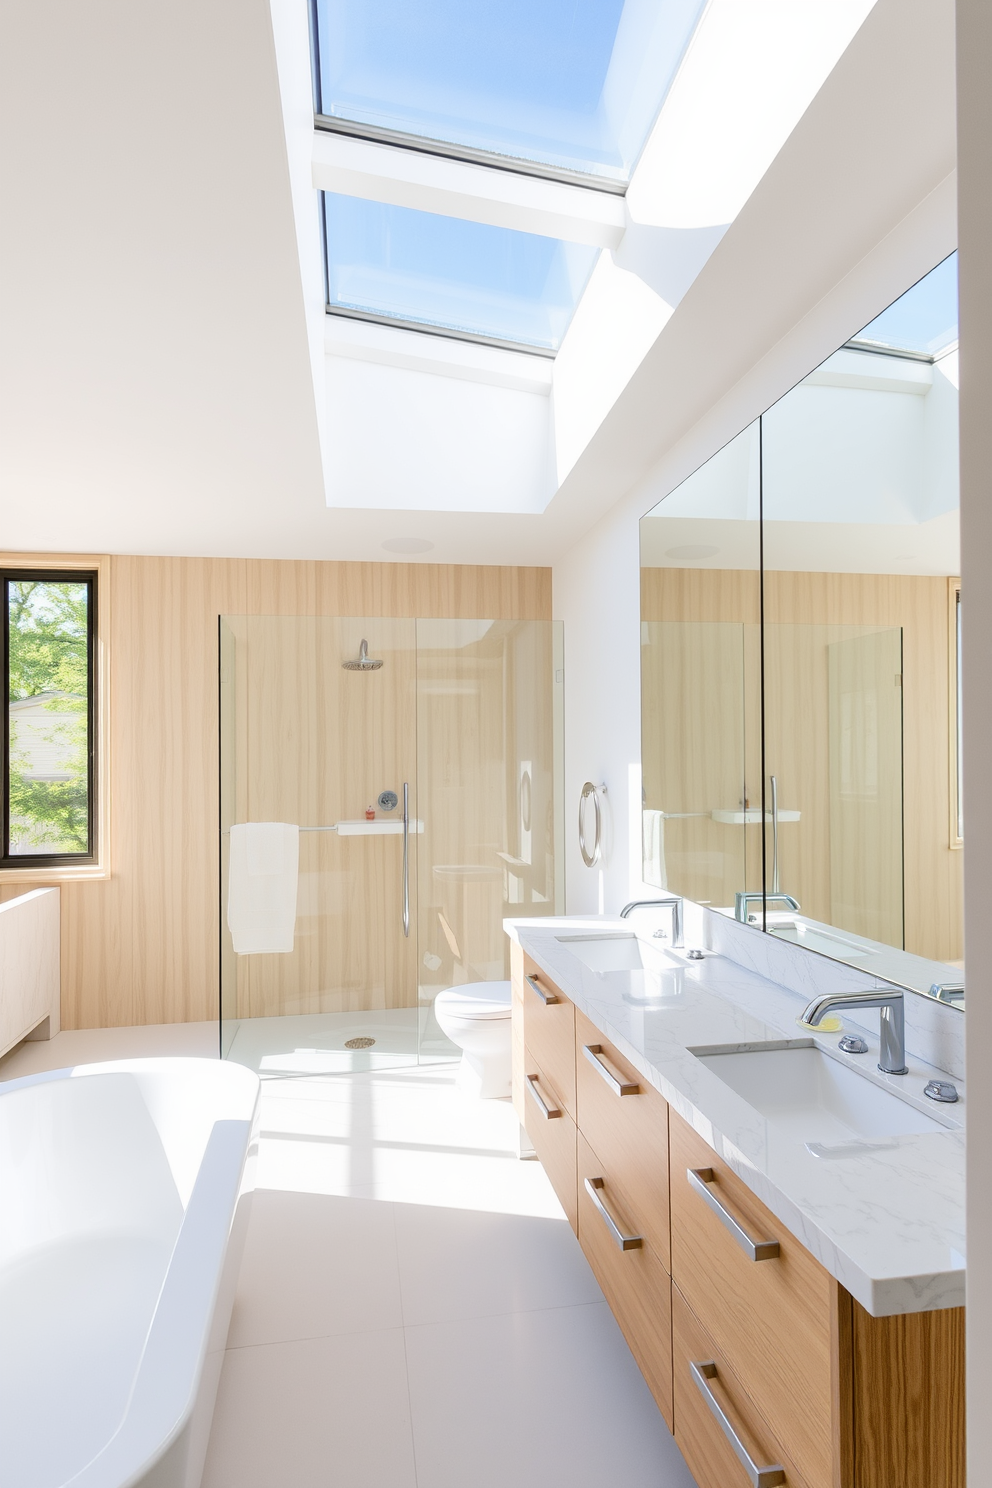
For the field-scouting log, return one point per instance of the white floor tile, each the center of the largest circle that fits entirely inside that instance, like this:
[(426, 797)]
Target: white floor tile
[(456, 1264), (310, 1414), (91, 1045), (535, 1399), (316, 1266)]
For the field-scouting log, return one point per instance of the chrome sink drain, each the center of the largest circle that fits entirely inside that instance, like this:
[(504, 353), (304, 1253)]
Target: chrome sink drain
[(359, 1043)]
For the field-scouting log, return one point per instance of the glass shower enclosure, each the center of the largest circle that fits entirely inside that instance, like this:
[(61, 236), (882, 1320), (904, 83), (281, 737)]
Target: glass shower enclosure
[(390, 789)]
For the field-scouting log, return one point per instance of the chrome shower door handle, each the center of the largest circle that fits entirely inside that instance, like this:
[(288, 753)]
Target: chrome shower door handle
[(406, 858)]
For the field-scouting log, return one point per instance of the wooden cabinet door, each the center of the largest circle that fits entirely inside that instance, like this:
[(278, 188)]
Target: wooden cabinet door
[(549, 1032), (776, 1320), (634, 1281), (625, 1122)]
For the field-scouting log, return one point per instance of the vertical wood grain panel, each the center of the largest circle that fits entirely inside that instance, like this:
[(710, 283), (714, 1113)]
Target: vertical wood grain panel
[(909, 1399), (143, 946)]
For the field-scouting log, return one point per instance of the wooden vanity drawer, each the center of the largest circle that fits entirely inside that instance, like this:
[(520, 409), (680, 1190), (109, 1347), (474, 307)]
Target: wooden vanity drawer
[(549, 1032), (625, 1122), (552, 1132), (634, 1281), (775, 1319), (713, 1448)]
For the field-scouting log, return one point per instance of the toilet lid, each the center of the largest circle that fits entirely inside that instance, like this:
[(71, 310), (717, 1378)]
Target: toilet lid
[(476, 1000)]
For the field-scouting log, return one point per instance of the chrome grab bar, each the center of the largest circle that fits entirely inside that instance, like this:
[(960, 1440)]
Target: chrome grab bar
[(406, 858), (595, 1056), (546, 997), (755, 1250), (591, 858), (759, 1477), (548, 1112), (625, 1242)]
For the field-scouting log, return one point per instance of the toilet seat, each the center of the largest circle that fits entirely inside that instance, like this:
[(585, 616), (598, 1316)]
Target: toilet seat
[(483, 1001)]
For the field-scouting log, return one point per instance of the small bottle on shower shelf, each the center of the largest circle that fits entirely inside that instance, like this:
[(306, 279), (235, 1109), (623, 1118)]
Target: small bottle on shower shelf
[(370, 813)]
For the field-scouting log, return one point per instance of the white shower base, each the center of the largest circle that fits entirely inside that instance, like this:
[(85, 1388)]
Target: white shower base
[(314, 1043)]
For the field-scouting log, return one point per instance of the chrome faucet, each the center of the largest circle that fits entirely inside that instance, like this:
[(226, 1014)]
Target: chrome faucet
[(892, 1023), (743, 901), (675, 905)]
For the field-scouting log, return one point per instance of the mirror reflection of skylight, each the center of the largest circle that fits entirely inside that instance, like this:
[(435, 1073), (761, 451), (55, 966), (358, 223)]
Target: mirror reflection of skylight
[(448, 275), (572, 84), (923, 321)]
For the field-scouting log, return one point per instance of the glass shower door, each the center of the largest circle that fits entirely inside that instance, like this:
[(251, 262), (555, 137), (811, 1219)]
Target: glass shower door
[(462, 720), (309, 741)]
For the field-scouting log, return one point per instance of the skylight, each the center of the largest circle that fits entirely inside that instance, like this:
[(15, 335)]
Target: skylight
[(451, 276), (571, 85), (924, 321)]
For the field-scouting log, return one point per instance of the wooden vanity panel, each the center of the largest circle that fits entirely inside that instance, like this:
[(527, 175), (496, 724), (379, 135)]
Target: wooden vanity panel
[(909, 1399), (635, 1283), (549, 1035), (772, 1320), (629, 1135), (700, 1437), (553, 1140)]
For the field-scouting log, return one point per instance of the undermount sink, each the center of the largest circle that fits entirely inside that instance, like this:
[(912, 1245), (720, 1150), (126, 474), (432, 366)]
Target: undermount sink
[(817, 1098), (619, 952)]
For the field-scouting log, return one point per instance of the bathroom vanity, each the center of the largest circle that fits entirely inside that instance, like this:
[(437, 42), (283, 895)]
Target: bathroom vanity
[(777, 1227)]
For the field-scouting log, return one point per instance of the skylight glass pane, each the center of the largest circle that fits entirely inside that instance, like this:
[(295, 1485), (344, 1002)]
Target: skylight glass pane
[(574, 84), (443, 272), (924, 319)]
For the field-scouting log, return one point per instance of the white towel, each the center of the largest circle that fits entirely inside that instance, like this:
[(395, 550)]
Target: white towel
[(262, 883), (654, 871)]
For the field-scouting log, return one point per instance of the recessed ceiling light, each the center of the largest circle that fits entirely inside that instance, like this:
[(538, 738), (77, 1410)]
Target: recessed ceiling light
[(692, 550), (407, 545)]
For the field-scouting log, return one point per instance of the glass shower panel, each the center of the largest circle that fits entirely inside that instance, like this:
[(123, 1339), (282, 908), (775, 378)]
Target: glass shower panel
[(463, 714), (488, 738), (308, 741)]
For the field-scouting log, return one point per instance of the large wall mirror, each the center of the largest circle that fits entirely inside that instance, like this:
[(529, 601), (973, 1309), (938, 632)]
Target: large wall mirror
[(800, 608)]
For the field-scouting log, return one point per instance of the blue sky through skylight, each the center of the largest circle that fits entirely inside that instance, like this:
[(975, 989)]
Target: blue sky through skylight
[(574, 84), (925, 318), (449, 273)]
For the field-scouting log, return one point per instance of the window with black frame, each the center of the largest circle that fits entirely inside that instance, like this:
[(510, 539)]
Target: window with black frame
[(49, 733)]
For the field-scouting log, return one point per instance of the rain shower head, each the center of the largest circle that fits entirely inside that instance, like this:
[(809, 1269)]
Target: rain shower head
[(364, 662)]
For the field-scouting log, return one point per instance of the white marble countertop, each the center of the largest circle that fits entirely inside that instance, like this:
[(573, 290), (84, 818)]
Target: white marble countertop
[(885, 1217)]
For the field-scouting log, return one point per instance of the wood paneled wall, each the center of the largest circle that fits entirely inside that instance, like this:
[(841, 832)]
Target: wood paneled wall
[(142, 946)]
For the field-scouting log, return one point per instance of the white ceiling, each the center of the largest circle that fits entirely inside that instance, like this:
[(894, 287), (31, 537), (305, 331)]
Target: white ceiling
[(157, 368)]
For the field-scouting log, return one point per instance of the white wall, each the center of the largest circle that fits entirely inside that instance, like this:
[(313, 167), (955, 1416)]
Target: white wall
[(596, 583), (413, 440), (975, 156)]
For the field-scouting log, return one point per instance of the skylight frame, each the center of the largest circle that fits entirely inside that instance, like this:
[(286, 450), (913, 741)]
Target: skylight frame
[(438, 327), (467, 154), (476, 155)]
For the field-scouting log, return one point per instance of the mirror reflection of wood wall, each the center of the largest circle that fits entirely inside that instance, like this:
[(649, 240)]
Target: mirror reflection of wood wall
[(853, 749), (700, 706)]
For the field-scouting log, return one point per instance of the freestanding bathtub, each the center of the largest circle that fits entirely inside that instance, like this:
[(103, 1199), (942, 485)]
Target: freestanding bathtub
[(124, 1192)]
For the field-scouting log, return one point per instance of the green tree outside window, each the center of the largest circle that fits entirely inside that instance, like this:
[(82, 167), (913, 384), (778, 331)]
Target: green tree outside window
[(48, 691)]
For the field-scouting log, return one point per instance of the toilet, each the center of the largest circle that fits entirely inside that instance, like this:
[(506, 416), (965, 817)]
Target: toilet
[(476, 1017)]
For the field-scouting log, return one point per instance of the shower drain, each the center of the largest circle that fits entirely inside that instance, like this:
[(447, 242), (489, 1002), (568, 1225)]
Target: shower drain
[(359, 1043)]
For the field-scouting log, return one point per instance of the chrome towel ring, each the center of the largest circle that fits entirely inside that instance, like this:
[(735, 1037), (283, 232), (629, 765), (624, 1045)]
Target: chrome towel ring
[(591, 858)]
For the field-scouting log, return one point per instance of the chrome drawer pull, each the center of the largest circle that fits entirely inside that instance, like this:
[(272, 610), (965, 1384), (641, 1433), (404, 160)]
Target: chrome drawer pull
[(760, 1477), (625, 1242), (595, 1056), (535, 986), (755, 1250), (548, 1112)]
